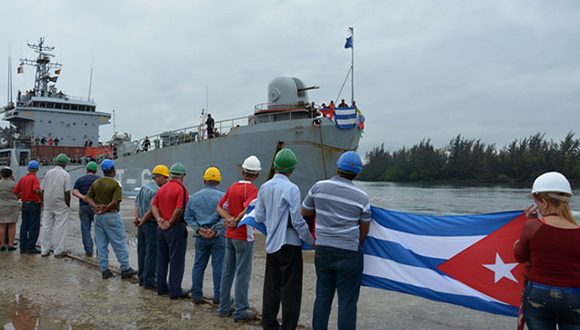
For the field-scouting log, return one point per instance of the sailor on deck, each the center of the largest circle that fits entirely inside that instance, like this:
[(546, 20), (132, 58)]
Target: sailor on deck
[(56, 188), (104, 197)]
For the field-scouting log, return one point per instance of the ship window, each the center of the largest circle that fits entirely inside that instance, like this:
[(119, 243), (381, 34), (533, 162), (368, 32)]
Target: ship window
[(74, 123), (66, 106), (58, 105), (50, 105), (85, 124), (74, 107), (50, 121)]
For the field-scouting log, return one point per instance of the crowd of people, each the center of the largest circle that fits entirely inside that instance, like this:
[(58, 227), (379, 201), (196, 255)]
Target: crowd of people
[(164, 208)]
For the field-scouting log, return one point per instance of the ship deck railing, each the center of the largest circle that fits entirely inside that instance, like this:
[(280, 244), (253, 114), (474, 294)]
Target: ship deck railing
[(198, 133)]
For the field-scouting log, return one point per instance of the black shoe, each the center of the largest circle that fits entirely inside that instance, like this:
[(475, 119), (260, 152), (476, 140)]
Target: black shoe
[(129, 272), (11, 248), (88, 255), (33, 251), (198, 301), (107, 274), (60, 255), (215, 301), (3, 248), (150, 287), (182, 294)]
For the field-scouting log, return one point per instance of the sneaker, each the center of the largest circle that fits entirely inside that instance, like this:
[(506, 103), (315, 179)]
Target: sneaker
[(33, 251), (11, 248), (215, 301), (107, 273), (129, 272), (250, 315), (182, 294), (198, 301)]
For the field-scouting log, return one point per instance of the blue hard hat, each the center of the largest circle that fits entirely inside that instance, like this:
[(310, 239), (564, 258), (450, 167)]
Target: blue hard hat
[(350, 162), (107, 165), (33, 165)]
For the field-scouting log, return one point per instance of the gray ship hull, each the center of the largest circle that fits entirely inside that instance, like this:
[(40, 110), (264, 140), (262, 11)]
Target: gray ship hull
[(317, 147)]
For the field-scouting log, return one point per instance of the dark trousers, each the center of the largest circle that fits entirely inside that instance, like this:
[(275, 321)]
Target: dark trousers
[(147, 253), (282, 283), (171, 245), (30, 227), (337, 270)]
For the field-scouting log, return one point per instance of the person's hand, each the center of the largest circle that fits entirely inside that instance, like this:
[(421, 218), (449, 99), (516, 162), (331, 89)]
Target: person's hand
[(516, 242), (136, 221), (531, 211), (230, 222), (100, 208), (210, 233)]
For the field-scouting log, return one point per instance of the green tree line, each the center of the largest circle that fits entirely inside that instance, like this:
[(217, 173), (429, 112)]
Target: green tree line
[(474, 161)]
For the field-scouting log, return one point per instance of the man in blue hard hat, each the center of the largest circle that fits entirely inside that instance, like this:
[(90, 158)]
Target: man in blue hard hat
[(104, 196), (86, 214), (28, 190), (343, 215), (56, 188)]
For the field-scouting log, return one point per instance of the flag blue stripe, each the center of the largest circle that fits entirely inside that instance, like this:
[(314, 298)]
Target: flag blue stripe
[(471, 302), (337, 116), (396, 252), (429, 225)]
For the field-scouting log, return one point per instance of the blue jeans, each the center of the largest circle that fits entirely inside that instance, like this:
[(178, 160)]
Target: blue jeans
[(87, 215), (30, 227), (341, 271), (204, 248), (545, 306), (238, 264), (147, 253), (109, 228), (171, 246)]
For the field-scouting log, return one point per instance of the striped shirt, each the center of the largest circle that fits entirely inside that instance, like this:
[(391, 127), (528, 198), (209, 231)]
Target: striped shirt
[(339, 208)]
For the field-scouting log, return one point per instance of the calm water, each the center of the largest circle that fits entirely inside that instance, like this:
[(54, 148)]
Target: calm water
[(450, 199)]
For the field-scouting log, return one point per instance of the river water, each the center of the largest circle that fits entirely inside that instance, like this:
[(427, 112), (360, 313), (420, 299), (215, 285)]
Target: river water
[(451, 199)]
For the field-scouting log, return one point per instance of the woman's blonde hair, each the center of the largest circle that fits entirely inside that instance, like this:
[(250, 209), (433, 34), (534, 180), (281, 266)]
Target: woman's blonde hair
[(560, 202)]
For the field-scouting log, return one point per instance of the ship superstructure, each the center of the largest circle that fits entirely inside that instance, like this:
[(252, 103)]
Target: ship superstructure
[(45, 113)]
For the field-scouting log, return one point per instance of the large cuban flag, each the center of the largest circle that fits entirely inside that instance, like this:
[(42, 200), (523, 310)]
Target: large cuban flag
[(464, 260)]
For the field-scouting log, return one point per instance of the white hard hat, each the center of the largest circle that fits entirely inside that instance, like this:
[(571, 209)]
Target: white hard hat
[(552, 182), (252, 163)]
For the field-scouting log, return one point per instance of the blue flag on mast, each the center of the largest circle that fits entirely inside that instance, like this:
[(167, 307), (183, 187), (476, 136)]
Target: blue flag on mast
[(348, 43)]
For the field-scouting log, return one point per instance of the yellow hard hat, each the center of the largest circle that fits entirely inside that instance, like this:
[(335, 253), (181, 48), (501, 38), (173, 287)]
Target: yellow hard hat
[(212, 174), (161, 170)]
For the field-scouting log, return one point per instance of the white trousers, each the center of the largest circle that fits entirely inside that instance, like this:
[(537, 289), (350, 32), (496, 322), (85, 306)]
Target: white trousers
[(53, 231)]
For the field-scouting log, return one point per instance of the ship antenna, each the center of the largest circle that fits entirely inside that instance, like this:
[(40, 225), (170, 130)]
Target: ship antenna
[(9, 96), (114, 123), (90, 83)]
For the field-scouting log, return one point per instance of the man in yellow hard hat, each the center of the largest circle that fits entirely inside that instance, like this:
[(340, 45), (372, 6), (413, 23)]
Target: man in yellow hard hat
[(209, 232), (147, 229)]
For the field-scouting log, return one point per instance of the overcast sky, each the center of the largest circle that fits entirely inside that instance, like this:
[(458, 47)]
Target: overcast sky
[(495, 70)]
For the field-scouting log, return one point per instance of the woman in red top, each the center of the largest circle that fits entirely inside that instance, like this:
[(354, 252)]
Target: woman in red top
[(550, 243)]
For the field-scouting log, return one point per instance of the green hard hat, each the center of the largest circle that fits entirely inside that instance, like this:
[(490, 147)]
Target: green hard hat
[(61, 159), (177, 168), (285, 161), (92, 167)]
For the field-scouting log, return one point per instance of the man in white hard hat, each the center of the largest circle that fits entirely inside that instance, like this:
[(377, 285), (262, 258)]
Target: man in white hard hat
[(239, 244)]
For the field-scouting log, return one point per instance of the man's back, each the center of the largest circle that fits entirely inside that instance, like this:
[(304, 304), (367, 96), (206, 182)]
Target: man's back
[(339, 207), (83, 184), (202, 206), (105, 190), (145, 198), (56, 182)]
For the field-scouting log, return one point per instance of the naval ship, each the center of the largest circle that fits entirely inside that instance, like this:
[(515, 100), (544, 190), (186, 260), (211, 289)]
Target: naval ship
[(288, 120)]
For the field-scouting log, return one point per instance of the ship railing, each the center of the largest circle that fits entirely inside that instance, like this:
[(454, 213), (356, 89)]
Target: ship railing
[(183, 135)]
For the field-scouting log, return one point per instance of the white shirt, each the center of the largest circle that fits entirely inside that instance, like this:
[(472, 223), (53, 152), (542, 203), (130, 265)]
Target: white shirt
[(55, 183)]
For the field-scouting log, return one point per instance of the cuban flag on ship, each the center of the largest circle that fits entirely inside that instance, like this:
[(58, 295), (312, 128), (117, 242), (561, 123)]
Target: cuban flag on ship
[(464, 260), (345, 118)]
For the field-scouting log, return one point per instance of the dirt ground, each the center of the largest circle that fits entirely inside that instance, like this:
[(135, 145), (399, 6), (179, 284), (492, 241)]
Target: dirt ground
[(68, 293)]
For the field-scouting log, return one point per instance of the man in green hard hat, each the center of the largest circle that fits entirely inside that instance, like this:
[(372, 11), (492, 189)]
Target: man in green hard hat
[(86, 213), (56, 188), (168, 207), (278, 207)]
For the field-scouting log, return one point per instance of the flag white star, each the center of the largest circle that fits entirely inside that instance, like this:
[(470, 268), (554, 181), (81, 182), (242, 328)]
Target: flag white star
[(501, 269)]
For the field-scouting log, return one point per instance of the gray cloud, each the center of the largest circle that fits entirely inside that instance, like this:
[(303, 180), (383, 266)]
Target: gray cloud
[(494, 70)]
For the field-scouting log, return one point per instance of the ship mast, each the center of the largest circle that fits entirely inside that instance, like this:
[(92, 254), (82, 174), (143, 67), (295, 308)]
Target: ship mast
[(43, 66)]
